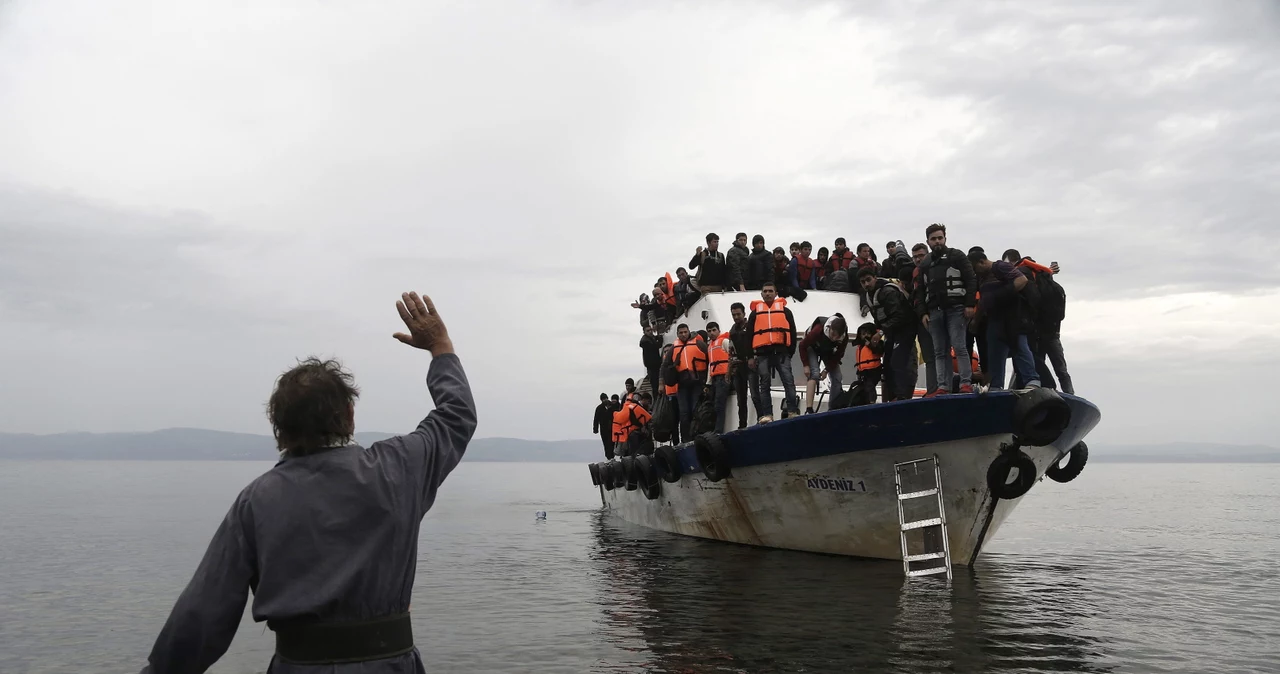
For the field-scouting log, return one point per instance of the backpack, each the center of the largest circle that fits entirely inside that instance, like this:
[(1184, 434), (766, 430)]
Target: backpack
[(704, 414), (663, 420), (1053, 300)]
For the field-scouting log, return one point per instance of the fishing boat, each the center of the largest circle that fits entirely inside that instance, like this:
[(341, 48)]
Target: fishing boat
[(925, 481)]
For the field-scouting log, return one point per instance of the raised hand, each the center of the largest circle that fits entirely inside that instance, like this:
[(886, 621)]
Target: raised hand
[(426, 330)]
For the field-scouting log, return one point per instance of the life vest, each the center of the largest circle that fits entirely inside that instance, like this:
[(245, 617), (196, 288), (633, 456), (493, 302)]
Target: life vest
[(1035, 267), (771, 327), (949, 283), (689, 356), (877, 305), (841, 260), (973, 362), (671, 290), (718, 355), (867, 359), (805, 268), (628, 419)]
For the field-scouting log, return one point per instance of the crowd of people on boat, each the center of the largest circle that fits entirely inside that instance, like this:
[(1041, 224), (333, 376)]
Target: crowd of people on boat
[(933, 304)]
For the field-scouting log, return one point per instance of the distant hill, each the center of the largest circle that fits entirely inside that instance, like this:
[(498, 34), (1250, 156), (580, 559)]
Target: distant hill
[(199, 444), (205, 445)]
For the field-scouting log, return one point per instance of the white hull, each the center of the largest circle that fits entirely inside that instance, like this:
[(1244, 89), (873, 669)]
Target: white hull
[(842, 504)]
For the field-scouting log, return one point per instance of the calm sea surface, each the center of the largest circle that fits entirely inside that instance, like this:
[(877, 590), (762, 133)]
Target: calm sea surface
[(1131, 568)]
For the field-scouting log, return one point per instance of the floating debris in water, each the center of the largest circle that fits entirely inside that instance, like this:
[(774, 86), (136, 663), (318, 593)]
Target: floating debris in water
[(540, 515)]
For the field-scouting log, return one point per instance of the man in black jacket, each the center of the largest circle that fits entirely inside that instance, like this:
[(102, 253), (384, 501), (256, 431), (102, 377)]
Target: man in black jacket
[(736, 259), (603, 424), (744, 379), (892, 311), (949, 301), (1008, 322), (759, 264), (651, 352), (715, 272)]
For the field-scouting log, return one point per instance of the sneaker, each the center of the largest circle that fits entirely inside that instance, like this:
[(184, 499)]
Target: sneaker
[(808, 410), (936, 392), (1033, 384), (765, 419), (966, 388)]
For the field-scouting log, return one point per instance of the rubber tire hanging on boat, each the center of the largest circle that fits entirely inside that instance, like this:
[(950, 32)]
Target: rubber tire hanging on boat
[(713, 456), (667, 463), (1040, 415), (606, 475), (647, 478), (1079, 456), (594, 468), (628, 472), (1000, 469)]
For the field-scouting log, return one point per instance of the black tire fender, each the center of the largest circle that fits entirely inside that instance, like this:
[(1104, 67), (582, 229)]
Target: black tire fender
[(628, 466), (667, 463), (1003, 466), (647, 477), (1079, 456), (606, 474), (713, 456), (1040, 416), (595, 473)]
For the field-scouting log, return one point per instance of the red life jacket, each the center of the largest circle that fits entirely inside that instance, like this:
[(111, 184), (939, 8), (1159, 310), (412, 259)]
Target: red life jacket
[(719, 356), (841, 260)]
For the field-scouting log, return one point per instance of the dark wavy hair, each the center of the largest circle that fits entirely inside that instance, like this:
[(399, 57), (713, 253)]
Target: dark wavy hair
[(310, 407)]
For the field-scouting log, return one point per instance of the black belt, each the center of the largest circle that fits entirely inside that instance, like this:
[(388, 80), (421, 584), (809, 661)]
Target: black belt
[(314, 643)]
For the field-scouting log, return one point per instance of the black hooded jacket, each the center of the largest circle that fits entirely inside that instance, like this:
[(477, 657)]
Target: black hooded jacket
[(759, 269)]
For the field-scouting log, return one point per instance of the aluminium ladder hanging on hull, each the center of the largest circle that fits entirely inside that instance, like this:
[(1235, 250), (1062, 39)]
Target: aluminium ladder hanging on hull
[(913, 468)]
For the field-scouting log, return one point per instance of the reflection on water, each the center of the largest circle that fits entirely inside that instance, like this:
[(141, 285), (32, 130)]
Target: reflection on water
[(707, 607)]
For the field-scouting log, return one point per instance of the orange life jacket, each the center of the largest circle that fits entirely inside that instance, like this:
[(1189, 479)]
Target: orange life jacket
[(689, 356), (630, 418), (719, 356), (867, 359), (671, 389), (671, 290), (1035, 267), (973, 361), (771, 327)]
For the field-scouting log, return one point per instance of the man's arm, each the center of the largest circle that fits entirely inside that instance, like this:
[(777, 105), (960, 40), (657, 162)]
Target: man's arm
[(204, 619), (970, 282), (792, 275)]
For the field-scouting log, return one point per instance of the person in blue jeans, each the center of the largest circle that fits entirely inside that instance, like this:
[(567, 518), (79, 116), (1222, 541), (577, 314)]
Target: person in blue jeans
[(773, 343), (946, 299), (1007, 322)]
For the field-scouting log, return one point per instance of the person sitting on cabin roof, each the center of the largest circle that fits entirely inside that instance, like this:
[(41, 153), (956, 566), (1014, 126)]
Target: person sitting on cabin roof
[(715, 273), (759, 264), (823, 347), (841, 257), (719, 352), (773, 331), (820, 267), (780, 265), (736, 262), (866, 258), (686, 290), (800, 270), (689, 354), (870, 343)]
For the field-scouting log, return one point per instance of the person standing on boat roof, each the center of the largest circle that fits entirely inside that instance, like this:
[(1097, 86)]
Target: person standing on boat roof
[(715, 273), (689, 355), (949, 298), (1007, 322), (328, 538), (603, 424), (823, 346), (744, 378), (719, 350), (736, 262), (892, 311), (759, 264), (773, 332)]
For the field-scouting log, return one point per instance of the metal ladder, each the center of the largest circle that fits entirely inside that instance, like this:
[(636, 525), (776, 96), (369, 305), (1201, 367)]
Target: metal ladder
[(940, 521)]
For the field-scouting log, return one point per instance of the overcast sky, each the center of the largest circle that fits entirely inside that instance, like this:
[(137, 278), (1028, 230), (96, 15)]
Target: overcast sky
[(192, 195)]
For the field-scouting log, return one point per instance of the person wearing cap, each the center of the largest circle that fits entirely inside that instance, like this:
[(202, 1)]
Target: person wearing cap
[(822, 347)]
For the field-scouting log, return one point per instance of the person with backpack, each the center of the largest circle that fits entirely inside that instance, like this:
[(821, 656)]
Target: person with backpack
[(1007, 322), (823, 346), (1050, 310), (891, 308)]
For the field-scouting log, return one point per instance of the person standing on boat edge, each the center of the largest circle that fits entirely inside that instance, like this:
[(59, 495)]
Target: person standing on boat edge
[(892, 311), (719, 349), (916, 291), (773, 331), (949, 300), (602, 424), (328, 538), (823, 345), (713, 272), (689, 355), (744, 378), (1007, 322)]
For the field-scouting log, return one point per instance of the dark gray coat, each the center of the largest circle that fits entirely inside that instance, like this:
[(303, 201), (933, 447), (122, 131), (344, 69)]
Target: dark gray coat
[(331, 535)]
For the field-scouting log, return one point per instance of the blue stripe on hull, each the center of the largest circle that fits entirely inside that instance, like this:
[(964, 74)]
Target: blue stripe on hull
[(885, 425)]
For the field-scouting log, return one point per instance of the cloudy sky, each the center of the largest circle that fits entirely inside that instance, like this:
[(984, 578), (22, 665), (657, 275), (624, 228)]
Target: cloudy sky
[(192, 195)]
